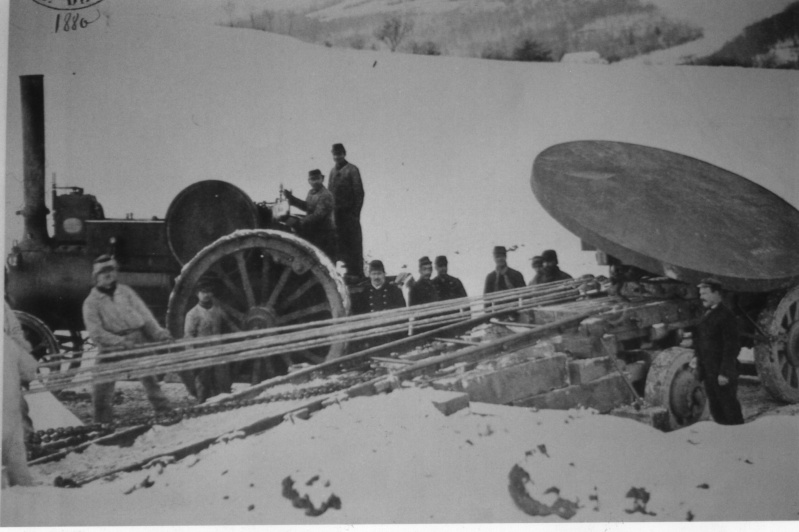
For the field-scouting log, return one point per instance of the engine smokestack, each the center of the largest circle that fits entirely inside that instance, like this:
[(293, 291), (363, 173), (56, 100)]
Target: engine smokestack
[(35, 210)]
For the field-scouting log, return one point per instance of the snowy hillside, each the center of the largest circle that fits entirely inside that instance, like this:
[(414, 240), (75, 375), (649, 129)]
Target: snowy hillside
[(142, 103)]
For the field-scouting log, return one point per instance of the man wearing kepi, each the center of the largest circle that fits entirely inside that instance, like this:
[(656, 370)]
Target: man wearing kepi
[(503, 277), (347, 189), (717, 347), (423, 290), (447, 286), (116, 319), (317, 226)]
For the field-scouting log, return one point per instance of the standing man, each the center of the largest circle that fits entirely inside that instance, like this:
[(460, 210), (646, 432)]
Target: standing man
[(317, 226), (503, 277), (207, 319), (347, 189), (447, 286), (550, 271), (423, 290), (116, 318), (717, 348), (538, 268)]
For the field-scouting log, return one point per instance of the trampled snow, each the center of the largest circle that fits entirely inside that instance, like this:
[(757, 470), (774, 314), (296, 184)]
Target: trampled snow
[(396, 459)]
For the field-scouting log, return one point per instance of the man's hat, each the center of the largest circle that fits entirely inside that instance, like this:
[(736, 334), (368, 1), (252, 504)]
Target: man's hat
[(500, 250), (377, 266), (339, 148), (538, 260), (550, 256), (206, 285), (424, 261), (103, 263), (316, 173), (710, 282), (441, 260)]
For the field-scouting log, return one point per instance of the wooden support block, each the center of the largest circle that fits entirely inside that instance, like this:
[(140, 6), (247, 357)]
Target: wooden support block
[(450, 402), (579, 346), (366, 389), (637, 371), (583, 371), (505, 385), (603, 394), (654, 416)]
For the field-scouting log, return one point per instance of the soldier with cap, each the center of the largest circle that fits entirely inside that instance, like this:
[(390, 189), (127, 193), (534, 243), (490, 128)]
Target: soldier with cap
[(423, 290), (317, 226), (550, 271), (503, 277), (208, 319), (116, 318), (717, 347), (378, 294), (538, 267), (447, 286), (347, 189)]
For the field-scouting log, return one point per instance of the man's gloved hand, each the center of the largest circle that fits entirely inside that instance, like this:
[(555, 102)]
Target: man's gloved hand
[(723, 381), (128, 343), (693, 363), (287, 193), (164, 336)]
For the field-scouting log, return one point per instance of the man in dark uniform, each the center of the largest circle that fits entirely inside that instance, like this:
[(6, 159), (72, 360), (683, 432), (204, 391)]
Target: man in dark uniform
[(503, 277), (378, 294), (423, 290), (717, 347), (550, 271), (538, 268), (347, 189), (447, 286), (317, 226)]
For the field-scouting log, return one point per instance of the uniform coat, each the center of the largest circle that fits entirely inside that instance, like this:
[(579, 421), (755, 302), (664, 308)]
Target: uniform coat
[(507, 280), (544, 277), (317, 227), (423, 291), (347, 189), (371, 299), (717, 348), (448, 287)]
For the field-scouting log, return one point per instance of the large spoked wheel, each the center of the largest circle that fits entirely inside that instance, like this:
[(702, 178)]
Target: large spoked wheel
[(265, 279), (672, 383), (44, 345), (777, 356)]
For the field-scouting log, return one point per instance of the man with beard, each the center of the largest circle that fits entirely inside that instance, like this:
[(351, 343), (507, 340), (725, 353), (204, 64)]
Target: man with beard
[(550, 272), (116, 318), (347, 189), (503, 277)]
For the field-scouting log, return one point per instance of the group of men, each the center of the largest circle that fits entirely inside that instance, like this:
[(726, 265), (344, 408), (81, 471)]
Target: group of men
[(378, 294), (333, 217), (506, 278)]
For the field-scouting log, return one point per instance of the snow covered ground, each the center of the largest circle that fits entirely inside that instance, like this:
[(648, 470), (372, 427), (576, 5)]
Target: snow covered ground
[(144, 102), (396, 459)]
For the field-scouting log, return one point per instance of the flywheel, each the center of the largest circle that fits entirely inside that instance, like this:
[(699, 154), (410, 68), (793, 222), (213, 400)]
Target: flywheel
[(777, 355), (266, 278), (672, 383)]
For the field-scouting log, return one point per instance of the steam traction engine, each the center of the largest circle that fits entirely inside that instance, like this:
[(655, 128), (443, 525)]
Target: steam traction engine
[(212, 230), (666, 221)]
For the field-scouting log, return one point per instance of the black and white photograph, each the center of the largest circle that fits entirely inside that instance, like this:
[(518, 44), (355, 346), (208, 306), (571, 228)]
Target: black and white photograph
[(400, 262)]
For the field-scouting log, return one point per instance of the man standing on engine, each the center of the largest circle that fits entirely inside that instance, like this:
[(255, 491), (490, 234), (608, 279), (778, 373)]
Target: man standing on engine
[(116, 319), (717, 347), (317, 225), (347, 189)]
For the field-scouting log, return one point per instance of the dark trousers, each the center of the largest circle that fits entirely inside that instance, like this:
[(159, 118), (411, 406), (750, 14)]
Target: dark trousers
[(723, 401), (350, 243)]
